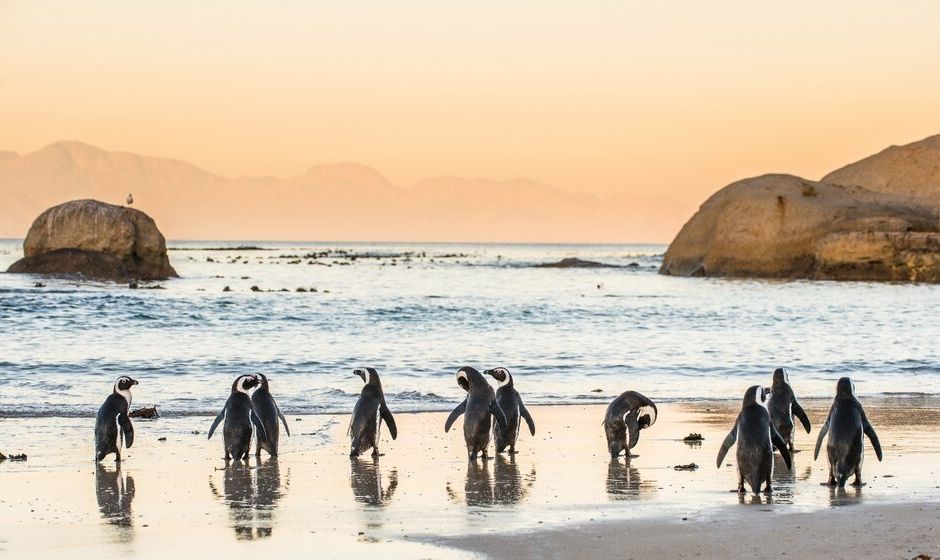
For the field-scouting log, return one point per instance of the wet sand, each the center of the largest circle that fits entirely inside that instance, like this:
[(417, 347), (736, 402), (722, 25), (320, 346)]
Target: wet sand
[(560, 496)]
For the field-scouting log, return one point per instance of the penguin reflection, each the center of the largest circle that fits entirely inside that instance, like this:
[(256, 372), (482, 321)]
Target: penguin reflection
[(624, 482), (510, 488), (251, 494), (845, 497), (115, 495), (365, 479), (784, 480), (478, 489)]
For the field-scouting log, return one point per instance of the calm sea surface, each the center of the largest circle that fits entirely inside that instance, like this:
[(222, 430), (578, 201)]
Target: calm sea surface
[(417, 312)]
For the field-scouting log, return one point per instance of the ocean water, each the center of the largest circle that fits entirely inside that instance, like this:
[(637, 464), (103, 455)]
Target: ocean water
[(418, 312)]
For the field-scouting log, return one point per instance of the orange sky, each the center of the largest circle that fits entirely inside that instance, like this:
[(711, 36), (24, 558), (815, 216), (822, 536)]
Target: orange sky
[(667, 98)]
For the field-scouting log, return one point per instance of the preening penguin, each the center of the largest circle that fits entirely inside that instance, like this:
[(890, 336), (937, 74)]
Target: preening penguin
[(478, 409), (368, 414), (268, 413), (756, 438), (627, 414), (511, 404), (111, 415), (238, 417), (846, 426), (782, 406)]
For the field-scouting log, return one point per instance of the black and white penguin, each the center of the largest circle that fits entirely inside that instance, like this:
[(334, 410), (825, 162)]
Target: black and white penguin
[(846, 425), (782, 406), (238, 419), (756, 438), (111, 415), (511, 404), (627, 414), (368, 414), (268, 413), (478, 409)]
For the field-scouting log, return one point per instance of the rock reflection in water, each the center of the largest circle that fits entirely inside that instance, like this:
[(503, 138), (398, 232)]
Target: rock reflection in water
[(252, 494), (624, 482), (365, 479), (115, 495)]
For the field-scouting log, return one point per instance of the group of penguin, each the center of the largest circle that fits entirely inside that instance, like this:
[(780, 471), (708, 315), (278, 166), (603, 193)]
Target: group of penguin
[(764, 424)]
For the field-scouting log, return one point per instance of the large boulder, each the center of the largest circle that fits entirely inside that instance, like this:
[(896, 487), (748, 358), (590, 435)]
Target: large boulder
[(95, 240), (912, 170), (782, 226)]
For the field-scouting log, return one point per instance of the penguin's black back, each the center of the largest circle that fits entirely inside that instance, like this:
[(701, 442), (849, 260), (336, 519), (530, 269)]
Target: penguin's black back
[(106, 428), (266, 410)]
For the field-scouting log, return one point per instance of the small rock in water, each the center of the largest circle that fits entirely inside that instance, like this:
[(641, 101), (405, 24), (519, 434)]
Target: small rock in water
[(161, 439), (255, 289), (689, 467), (133, 284), (226, 289), (14, 457), (693, 437), (145, 413), (597, 390), (301, 290), (39, 285)]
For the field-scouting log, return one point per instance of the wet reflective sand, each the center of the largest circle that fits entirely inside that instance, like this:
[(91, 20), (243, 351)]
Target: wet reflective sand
[(177, 496)]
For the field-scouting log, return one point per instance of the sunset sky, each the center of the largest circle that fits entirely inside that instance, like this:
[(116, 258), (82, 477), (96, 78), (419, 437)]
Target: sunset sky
[(652, 98)]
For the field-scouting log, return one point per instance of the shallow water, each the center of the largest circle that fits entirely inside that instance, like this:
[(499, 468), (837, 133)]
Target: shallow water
[(417, 312)]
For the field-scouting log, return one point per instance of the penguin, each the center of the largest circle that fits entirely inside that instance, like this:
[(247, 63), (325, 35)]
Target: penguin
[(511, 404), (238, 419), (478, 409), (368, 414), (756, 437), (111, 414), (782, 406), (268, 413), (630, 412), (846, 424)]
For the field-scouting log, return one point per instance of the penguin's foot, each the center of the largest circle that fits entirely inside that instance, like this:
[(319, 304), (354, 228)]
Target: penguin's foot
[(631, 455), (740, 489), (858, 483), (769, 490)]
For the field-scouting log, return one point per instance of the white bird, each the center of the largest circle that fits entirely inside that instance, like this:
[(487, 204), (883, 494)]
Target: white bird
[(130, 199)]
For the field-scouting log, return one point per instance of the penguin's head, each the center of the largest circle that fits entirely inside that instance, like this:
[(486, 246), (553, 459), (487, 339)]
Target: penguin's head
[(244, 382), (646, 416), (781, 377), (368, 375), (467, 376), (262, 380), (124, 383), (501, 375), (845, 387), (756, 395)]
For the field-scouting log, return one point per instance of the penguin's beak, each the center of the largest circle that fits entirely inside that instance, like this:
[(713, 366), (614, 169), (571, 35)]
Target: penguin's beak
[(361, 374), (134, 382)]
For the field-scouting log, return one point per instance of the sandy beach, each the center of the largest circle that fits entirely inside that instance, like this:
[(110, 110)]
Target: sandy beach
[(559, 497)]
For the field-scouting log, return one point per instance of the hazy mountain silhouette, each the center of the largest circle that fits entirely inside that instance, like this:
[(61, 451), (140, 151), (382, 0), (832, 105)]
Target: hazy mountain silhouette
[(345, 201)]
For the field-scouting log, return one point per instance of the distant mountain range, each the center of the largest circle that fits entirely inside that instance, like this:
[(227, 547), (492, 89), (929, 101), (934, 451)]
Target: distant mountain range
[(345, 201)]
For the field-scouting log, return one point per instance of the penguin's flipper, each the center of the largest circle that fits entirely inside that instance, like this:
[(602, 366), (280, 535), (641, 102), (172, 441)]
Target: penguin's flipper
[(498, 414), (389, 420), (819, 439), (461, 408), (726, 445), (127, 430), (869, 431), (527, 417), (801, 414), (215, 423), (781, 446), (262, 433), (283, 420)]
